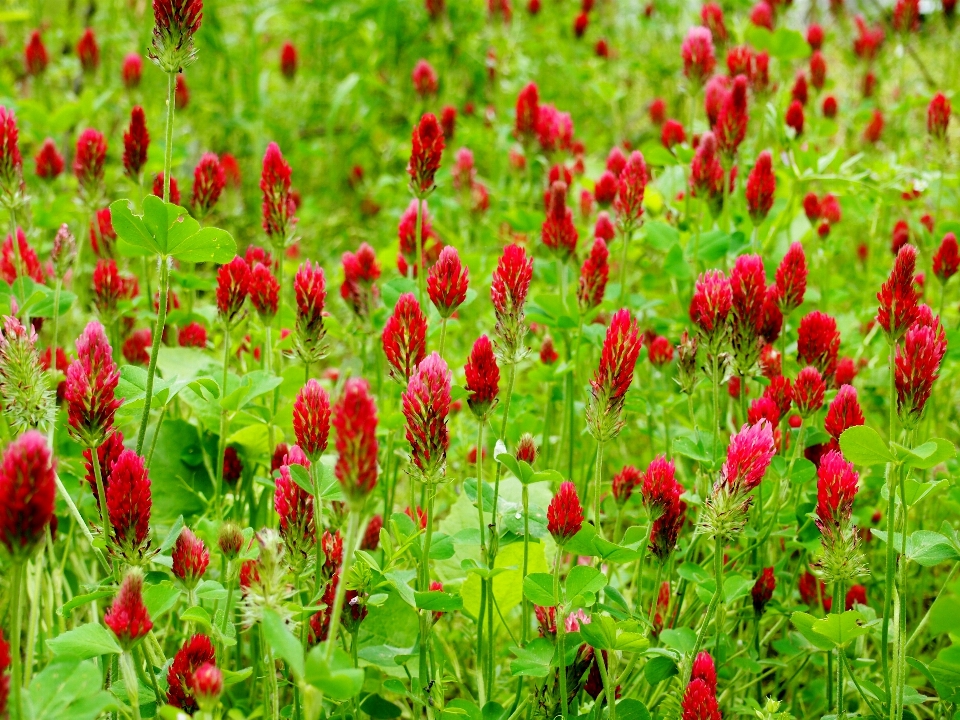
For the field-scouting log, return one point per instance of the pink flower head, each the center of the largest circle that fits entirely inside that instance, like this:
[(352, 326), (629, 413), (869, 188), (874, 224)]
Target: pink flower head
[(898, 297), (264, 292), (278, 204), (630, 190), (11, 162), (294, 507), (613, 376), (426, 154), (424, 79), (132, 70), (704, 669), (762, 591), (624, 482), (404, 338), (564, 514), (208, 182), (748, 457), (447, 282), (190, 558), (732, 120), (659, 487), (558, 232), (711, 303), (508, 291), (129, 502), (426, 405), (207, 685), (311, 419), (706, 172), (791, 278), (808, 391), (699, 59), (699, 702), (128, 617), (288, 60), (843, 413), (818, 342), (89, 160), (483, 377), (593, 276), (946, 260), (918, 362), (761, 15), (195, 653), (672, 134), (714, 96), (761, 186), (91, 381), (27, 494), (355, 420), (310, 291), (232, 286), (837, 484), (360, 273), (938, 116), (136, 140)]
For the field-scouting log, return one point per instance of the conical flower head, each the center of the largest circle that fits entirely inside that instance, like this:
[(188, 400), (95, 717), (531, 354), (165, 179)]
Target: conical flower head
[(818, 342), (844, 412), (711, 303), (938, 116), (624, 482), (762, 591), (761, 187), (447, 282), (311, 419), (233, 281), (175, 23), (190, 558), (355, 420), (528, 112), (564, 514), (426, 405), (748, 457), (295, 508), (483, 377), (808, 391), (508, 291), (837, 485), (209, 180), (918, 362), (704, 669), (35, 56), (898, 297), (278, 205), (660, 488), (195, 653), (48, 161), (11, 162), (699, 702), (310, 290), (558, 232), (404, 338), (732, 120), (129, 501), (136, 141), (264, 292), (207, 686), (631, 187), (594, 274), (128, 617), (27, 401), (90, 386), (27, 492), (425, 155), (946, 260), (748, 287), (791, 278), (613, 376), (699, 58), (360, 273), (89, 161)]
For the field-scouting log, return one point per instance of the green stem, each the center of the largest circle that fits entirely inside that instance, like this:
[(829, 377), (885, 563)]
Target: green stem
[(129, 672), (889, 588), (426, 615), (525, 607), (714, 602), (104, 513), (626, 233), (561, 634), (222, 444), (16, 589), (168, 149), (838, 605), (481, 688), (157, 336), (902, 594), (608, 685), (349, 546), (443, 334), (597, 488), (421, 269)]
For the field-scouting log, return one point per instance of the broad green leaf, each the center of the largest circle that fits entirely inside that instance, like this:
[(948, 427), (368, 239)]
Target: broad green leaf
[(736, 587), (659, 668), (600, 632), (928, 548), (160, 599), (804, 623), (438, 601), (862, 445), (81, 600), (379, 708), (538, 589), (681, 639), (301, 476), (87, 641), (583, 542), (68, 689), (932, 453), (207, 245), (283, 642), (841, 628), (534, 660), (131, 229), (511, 464), (158, 217), (337, 679), (198, 616), (583, 579), (631, 709)]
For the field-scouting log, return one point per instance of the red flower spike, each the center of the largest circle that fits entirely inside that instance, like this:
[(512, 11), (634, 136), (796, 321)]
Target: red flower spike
[(818, 70), (706, 172), (714, 96), (711, 15), (508, 292), (698, 55), (857, 595), (89, 160), (794, 118), (129, 503), (630, 190), (898, 296), (748, 457), (558, 232), (195, 653), (192, 335), (90, 384), (761, 186), (35, 57), (425, 156), (288, 61), (946, 260), (564, 514), (658, 113), (605, 191), (762, 591), (843, 413), (424, 78), (447, 282), (660, 351), (906, 16), (102, 234), (360, 272), (593, 276), (128, 617), (732, 120), (748, 286), (207, 686), (791, 278), (232, 465), (604, 227), (660, 489), (938, 116), (278, 205), (132, 71), (371, 536), (232, 286), (448, 121), (528, 113), (48, 161), (294, 506), (404, 338), (815, 36), (311, 419), (11, 162), (699, 702), (136, 140), (310, 291), (761, 15), (264, 292), (426, 405), (483, 377), (527, 449), (208, 183), (174, 188), (918, 362), (613, 376), (190, 558), (704, 669), (107, 455), (874, 129), (672, 134), (88, 51), (548, 353), (837, 483), (711, 303), (818, 342), (830, 107), (27, 493), (624, 482), (108, 288), (799, 91), (808, 391), (29, 262), (763, 408), (355, 420)]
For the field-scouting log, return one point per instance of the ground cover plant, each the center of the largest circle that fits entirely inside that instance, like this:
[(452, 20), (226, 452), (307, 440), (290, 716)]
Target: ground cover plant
[(498, 360)]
